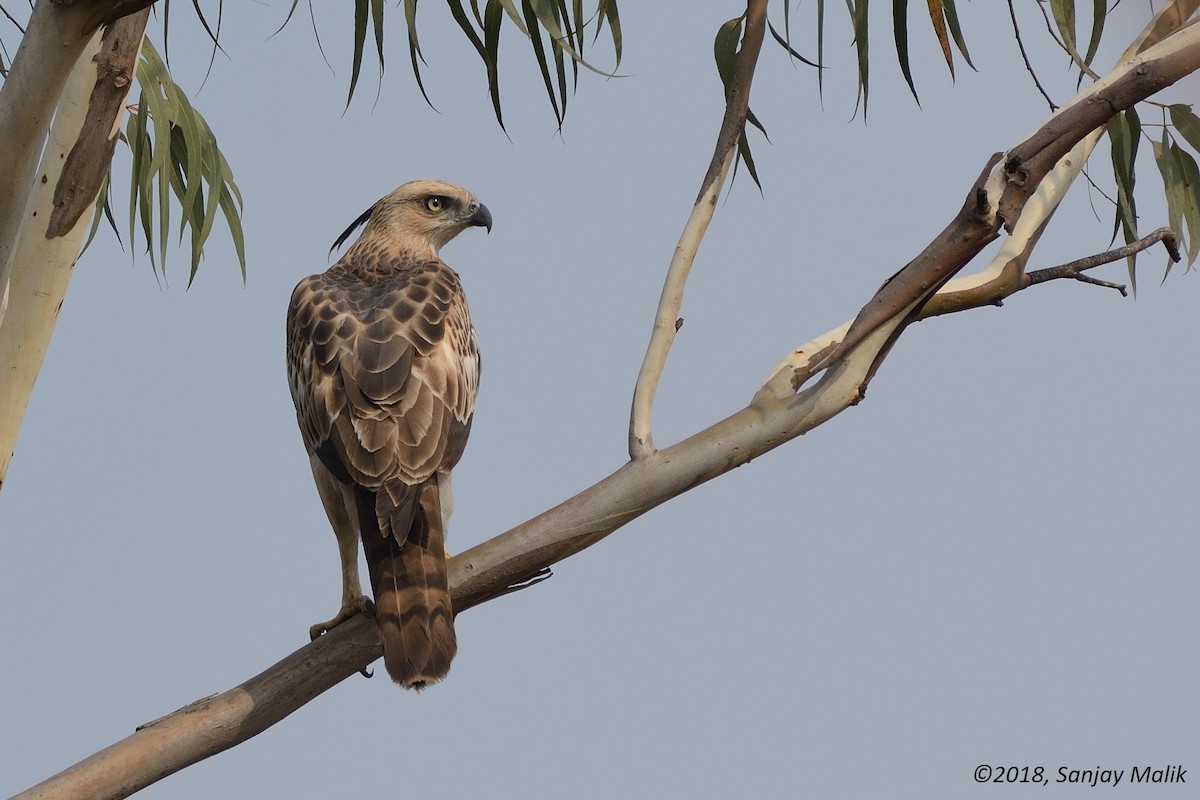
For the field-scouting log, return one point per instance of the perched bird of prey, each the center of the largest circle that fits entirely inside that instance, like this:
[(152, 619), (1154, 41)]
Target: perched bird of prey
[(384, 367)]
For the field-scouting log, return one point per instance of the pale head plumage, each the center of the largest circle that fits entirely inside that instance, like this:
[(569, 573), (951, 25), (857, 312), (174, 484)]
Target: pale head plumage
[(420, 217)]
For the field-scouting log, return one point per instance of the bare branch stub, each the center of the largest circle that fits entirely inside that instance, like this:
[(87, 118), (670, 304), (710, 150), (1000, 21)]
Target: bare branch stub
[(1074, 270)]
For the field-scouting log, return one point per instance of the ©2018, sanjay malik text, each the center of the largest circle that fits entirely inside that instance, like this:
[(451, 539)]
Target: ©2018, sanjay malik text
[(1095, 776)]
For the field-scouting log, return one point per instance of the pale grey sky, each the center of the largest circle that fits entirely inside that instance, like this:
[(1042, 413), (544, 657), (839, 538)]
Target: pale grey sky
[(992, 560)]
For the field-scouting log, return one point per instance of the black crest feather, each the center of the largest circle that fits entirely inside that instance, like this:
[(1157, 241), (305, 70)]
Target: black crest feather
[(358, 223)]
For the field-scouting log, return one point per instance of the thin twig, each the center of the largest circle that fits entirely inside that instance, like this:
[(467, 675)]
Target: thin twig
[(1025, 56), (1075, 269)]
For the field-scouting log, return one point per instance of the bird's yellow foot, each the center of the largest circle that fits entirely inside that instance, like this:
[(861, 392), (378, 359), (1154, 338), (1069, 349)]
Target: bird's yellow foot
[(359, 605)]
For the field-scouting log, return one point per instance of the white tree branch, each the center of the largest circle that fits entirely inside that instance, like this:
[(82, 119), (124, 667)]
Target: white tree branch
[(59, 197), (662, 336), (54, 39)]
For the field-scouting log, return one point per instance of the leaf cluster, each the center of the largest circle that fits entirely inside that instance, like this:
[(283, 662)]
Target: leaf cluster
[(1178, 167), (175, 156), (556, 30)]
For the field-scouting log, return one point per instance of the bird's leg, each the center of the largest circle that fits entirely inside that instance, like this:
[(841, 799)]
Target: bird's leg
[(353, 600), (340, 508)]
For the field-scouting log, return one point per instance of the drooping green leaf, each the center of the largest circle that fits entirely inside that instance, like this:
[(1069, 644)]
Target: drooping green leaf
[(821, 49), (937, 17), (1191, 198), (557, 31), (372, 10), (161, 109), (547, 13), (1187, 123), (361, 11), (213, 35), (488, 47), (539, 52), (1064, 17), (1124, 132), (1099, 15), (560, 12), (464, 22), (190, 158), (510, 8), (859, 19), (231, 208), (288, 17), (607, 12), (577, 22), (492, 18), (137, 137), (900, 24), (175, 159), (956, 30), (377, 28), (102, 210), (787, 45), (414, 46), (1173, 185), (725, 50), (747, 158)]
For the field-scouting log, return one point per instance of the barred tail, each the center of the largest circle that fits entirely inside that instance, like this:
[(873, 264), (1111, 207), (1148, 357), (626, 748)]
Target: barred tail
[(406, 556)]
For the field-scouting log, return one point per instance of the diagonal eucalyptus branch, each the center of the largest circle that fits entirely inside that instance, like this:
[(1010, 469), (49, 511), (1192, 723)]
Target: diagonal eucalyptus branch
[(662, 336), (846, 359)]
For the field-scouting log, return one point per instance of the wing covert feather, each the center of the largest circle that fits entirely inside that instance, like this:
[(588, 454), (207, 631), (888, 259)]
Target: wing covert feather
[(383, 371)]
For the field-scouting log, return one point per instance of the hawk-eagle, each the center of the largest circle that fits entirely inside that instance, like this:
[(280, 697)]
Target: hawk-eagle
[(383, 366)]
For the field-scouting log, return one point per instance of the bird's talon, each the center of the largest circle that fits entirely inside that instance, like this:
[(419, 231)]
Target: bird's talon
[(360, 605)]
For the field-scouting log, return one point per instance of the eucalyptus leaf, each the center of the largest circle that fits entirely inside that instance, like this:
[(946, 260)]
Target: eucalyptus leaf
[(176, 163), (1124, 131), (900, 25), (1187, 123), (956, 30), (1191, 199), (937, 16)]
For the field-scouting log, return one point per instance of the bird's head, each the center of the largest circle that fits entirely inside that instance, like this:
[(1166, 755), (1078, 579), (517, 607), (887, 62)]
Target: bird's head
[(422, 216)]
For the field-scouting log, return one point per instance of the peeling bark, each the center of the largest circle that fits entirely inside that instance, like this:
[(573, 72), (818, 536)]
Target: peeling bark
[(52, 224)]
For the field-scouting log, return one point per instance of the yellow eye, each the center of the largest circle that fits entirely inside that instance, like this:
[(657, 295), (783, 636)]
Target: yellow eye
[(434, 203)]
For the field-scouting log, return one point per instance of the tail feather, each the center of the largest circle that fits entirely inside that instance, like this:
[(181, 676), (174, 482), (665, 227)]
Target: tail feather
[(404, 540)]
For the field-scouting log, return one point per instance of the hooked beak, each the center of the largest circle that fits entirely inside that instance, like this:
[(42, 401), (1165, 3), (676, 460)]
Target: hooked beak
[(481, 218)]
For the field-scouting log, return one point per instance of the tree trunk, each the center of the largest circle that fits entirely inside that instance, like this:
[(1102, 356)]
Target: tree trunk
[(43, 222)]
